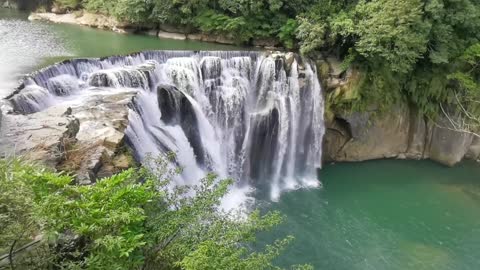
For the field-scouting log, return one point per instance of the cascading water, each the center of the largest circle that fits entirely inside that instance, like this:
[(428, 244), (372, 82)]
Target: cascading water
[(255, 117)]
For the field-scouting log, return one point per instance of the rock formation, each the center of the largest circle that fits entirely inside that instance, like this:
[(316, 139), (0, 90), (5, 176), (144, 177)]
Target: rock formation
[(400, 132)]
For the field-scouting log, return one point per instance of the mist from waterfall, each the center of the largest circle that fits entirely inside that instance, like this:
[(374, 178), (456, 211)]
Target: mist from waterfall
[(251, 116)]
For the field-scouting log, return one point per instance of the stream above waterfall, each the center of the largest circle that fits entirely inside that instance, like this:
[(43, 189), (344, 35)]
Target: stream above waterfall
[(25, 46), (386, 214)]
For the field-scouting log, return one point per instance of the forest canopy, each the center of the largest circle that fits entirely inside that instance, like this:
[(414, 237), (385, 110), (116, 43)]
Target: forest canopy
[(406, 49)]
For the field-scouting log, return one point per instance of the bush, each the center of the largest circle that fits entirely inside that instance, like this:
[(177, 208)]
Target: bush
[(132, 220)]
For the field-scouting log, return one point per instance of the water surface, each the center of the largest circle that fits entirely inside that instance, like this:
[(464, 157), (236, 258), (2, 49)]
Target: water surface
[(373, 215), (386, 215), (26, 46)]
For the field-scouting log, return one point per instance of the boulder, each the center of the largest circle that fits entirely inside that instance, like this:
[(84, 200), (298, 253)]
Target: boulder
[(368, 135), (103, 119), (474, 149), (42, 137), (448, 146), (400, 133)]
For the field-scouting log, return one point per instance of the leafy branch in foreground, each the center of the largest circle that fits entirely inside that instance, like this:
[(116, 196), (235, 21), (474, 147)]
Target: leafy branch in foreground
[(132, 220)]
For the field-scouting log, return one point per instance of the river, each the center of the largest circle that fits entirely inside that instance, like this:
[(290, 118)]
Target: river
[(386, 214), (25, 46)]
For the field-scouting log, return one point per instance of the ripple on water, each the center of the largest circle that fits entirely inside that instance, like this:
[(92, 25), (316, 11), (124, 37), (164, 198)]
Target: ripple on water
[(23, 45)]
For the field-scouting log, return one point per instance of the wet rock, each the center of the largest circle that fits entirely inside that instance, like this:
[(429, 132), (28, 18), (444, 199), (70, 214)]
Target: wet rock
[(177, 109), (289, 59), (211, 67), (264, 133)]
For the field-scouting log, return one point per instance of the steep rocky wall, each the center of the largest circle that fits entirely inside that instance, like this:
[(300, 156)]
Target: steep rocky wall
[(395, 134), (400, 132)]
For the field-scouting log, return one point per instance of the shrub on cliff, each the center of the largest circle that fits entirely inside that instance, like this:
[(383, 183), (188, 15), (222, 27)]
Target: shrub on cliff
[(132, 220)]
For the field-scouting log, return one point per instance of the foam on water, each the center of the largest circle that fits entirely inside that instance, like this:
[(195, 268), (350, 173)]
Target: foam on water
[(244, 115)]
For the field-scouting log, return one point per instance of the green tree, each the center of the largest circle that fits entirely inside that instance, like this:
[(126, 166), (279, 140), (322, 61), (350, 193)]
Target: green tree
[(133, 220)]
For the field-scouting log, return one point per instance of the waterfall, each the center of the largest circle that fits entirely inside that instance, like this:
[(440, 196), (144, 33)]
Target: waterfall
[(251, 116)]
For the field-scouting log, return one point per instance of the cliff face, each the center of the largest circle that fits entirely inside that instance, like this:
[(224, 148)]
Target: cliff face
[(401, 132)]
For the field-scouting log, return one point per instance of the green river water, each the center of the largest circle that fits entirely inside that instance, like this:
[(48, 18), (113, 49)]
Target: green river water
[(383, 215)]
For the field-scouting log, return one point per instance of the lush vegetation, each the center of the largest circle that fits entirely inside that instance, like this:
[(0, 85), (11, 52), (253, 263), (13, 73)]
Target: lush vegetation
[(408, 50), (132, 220)]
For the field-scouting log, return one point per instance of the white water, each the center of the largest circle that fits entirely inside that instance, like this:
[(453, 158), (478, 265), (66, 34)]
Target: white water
[(239, 114)]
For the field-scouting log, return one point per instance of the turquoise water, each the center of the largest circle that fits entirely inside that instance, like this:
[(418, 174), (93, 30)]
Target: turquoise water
[(387, 214), (373, 215), (26, 46)]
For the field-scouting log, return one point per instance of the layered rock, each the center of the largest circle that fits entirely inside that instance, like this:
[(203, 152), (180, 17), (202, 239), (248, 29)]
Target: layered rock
[(87, 140), (101, 136), (366, 136), (42, 137), (401, 132)]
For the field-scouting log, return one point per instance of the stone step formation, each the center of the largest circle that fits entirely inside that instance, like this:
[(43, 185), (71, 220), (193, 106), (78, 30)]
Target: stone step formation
[(253, 116)]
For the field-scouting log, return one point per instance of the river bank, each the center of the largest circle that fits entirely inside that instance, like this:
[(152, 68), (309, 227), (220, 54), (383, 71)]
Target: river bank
[(381, 214), (100, 21), (399, 133)]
